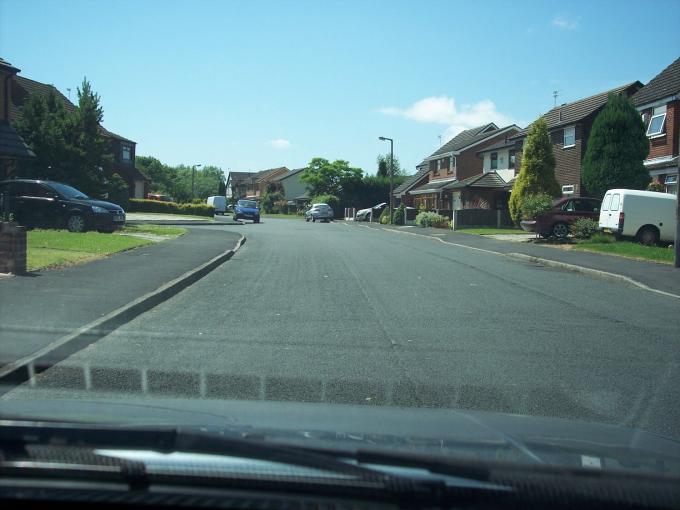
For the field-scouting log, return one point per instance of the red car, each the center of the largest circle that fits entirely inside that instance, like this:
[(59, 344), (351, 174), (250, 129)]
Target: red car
[(564, 212)]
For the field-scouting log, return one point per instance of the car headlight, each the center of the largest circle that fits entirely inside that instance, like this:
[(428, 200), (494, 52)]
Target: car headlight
[(99, 210)]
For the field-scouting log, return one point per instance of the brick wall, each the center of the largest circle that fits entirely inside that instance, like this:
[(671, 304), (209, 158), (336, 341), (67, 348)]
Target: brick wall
[(664, 145)]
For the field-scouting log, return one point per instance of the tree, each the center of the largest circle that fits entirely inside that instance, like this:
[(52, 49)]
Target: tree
[(537, 172), (384, 166), (222, 189), (91, 156), (325, 178), (617, 147)]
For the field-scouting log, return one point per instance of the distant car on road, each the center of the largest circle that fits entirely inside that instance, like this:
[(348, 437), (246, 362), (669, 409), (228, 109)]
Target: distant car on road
[(247, 210), (365, 214), (564, 212), (219, 203), (160, 198), (49, 204), (321, 212)]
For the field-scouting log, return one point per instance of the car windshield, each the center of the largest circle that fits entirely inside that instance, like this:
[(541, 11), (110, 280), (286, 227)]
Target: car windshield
[(68, 191), (350, 224)]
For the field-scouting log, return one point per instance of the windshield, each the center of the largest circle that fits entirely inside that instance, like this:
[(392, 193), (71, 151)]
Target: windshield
[(361, 224), (68, 191)]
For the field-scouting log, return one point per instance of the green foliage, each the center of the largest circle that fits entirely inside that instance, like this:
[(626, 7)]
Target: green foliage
[(601, 238), (430, 219), (399, 215), (617, 147), (384, 166), (270, 199), (655, 186), (156, 206), (535, 205), (331, 200), (584, 228), (385, 216), (537, 173), (176, 181), (117, 191), (325, 178)]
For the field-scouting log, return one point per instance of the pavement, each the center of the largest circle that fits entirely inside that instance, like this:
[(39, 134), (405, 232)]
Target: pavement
[(334, 313), (45, 305), (176, 219), (663, 277)]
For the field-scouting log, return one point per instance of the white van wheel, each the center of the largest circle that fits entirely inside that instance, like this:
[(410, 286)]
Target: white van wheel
[(648, 235)]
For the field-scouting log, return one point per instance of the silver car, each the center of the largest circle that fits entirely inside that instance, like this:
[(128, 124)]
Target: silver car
[(321, 212)]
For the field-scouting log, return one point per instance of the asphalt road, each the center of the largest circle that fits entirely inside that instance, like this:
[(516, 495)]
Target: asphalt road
[(339, 313)]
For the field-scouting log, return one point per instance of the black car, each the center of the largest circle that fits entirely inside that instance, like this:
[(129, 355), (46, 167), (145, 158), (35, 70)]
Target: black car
[(50, 204)]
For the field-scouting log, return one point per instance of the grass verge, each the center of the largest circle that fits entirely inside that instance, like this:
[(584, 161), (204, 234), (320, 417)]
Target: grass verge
[(49, 248), (628, 249), (492, 231), (159, 230)]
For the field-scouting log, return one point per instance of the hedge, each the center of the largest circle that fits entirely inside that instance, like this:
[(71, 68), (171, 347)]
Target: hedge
[(156, 206)]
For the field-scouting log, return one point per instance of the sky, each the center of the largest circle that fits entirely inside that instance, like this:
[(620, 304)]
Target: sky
[(251, 85)]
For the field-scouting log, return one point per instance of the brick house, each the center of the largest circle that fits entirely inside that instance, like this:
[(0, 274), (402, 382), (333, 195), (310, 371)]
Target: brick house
[(441, 183), (569, 127), (659, 104), (12, 146), (252, 184), (294, 190), (123, 149)]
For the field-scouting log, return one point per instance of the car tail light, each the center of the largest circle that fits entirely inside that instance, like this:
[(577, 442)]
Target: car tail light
[(622, 216)]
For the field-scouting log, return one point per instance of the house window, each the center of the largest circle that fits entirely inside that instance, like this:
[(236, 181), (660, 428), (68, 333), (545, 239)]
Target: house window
[(569, 137), (657, 122), (494, 160), (434, 166), (511, 159), (671, 184), (444, 164), (127, 153)]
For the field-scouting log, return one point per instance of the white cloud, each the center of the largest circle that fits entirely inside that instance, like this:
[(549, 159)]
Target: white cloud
[(564, 23), (444, 110), (280, 143)]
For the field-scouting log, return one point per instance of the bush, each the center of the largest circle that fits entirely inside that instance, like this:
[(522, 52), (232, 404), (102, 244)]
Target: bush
[(655, 186), (399, 215), (156, 206), (584, 228), (430, 219), (601, 238), (535, 205), (118, 191)]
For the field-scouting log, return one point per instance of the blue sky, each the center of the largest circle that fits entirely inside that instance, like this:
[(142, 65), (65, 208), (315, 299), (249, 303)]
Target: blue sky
[(249, 85)]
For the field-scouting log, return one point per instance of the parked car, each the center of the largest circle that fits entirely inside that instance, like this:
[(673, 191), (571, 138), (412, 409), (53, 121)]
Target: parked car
[(321, 212), (50, 204), (563, 213), (365, 214), (247, 210), (219, 203), (160, 198), (647, 216)]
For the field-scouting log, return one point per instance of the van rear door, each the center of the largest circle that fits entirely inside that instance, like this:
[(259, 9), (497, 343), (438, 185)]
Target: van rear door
[(615, 209), (604, 211)]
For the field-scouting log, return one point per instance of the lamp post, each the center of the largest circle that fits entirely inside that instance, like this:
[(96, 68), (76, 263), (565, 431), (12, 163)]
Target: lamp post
[(193, 179), (382, 139)]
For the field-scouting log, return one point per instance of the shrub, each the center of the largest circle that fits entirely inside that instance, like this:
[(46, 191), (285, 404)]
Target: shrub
[(385, 216), (118, 191), (535, 205), (197, 201), (601, 238), (430, 219), (584, 228), (655, 186), (156, 206), (399, 215)]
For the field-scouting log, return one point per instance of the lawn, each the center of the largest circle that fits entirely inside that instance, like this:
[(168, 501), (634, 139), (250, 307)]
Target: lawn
[(48, 248), (485, 231), (629, 249), (159, 230)]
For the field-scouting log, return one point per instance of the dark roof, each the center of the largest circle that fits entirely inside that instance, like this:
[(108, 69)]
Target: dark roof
[(465, 138), (671, 163), (664, 84), (503, 144), (570, 113), (11, 144), (433, 186), (263, 174), (27, 87), (6, 66), (486, 180), (290, 173), (423, 169)]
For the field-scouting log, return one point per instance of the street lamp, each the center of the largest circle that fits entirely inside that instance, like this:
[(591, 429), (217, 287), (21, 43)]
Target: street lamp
[(382, 139), (193, 179)]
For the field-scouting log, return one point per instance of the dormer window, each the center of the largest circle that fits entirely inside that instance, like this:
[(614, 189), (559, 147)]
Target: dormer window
[(569, 137), (657, 122), (126, 154)]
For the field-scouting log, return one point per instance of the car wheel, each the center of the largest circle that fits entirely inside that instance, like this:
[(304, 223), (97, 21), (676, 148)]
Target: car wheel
[(256, 220), (648, 236), (76, 223), (313, 219), (560, 230)]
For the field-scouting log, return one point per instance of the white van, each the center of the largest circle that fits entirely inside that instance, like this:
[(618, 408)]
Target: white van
[(646, 215), (219, 203)]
